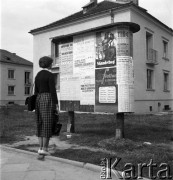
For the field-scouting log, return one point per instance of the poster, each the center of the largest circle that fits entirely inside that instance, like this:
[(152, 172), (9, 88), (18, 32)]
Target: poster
[(87, 95), (125, 98), (125, 73), (66, 58), (84, 55), (105, 86), (69, 88), (107, 94), (125, 81), (106, 44), (124, 39)]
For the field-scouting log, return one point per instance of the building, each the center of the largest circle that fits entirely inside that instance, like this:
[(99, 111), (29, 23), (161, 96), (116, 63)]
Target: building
[(16, 74), (152, 48)]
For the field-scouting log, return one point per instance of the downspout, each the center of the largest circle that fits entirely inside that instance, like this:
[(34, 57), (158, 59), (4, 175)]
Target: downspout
[(112, 15)]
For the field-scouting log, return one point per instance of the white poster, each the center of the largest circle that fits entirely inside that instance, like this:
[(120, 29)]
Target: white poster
[(125, 70), (87, 90), (66, 58), (124, 38), (125, 81), (70, 88), (107, 94), (84, 55), (125, 98)]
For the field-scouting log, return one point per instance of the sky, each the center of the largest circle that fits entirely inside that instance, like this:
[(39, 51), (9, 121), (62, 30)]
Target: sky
[(18, 17)]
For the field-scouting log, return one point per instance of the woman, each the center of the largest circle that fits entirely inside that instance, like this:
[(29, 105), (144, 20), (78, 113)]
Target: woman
[(112, 47), (105, 45), (46, 103)]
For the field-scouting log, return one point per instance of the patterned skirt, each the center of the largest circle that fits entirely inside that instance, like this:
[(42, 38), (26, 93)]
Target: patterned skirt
[(45, 114)]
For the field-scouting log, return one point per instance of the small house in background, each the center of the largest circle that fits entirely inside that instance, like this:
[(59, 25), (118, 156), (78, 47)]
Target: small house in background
[(152, 51), (16, 75)]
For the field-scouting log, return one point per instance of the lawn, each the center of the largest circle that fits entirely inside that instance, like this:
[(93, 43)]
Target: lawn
[(146, 137)]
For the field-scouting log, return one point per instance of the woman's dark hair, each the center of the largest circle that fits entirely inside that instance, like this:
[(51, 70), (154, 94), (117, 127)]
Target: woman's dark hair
[(45, 62)]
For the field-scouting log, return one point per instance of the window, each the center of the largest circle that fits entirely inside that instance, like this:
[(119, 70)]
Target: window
[(58, 48), (149, 44), (166, 107), (151, 53), (57, 81), (10, 74), (55, 53), (10, 90), (166, 81), (150, 79), (27, 78), (27, 90), (165, 49), (151, 108)]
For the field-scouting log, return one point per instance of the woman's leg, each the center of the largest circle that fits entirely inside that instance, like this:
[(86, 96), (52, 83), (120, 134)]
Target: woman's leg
[(40, 140), (45, 143)]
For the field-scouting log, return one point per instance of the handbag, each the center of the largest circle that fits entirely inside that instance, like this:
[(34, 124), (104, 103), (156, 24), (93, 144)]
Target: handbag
[(31, 100), (56, 128)]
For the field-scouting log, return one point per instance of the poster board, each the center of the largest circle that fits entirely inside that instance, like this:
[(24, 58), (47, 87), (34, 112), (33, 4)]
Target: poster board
[(96, 71)]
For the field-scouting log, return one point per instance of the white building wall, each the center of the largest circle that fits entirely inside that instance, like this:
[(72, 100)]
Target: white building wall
[(145, 99), (122, 16), (19, 92)]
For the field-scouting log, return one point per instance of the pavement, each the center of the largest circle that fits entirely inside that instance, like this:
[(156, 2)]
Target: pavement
[(18, 164)]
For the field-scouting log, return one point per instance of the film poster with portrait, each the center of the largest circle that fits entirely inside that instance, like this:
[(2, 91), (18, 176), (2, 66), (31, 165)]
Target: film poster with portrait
[(114, 69)]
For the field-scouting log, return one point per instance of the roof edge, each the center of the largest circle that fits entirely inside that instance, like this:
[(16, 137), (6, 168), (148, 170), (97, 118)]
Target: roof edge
[(51, 25), (145, 11), (133, 26), (16, 63), (72, 20)]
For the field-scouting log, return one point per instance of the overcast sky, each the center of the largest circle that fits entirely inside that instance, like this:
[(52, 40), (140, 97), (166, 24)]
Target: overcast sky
[(18, 17)]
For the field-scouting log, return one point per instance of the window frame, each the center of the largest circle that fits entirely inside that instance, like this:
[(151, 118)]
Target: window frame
[(167, 85), (9, 74), (55, 53), (55, 49), (57, 79), (12, 93), (150, 80), (29, 78), (165, 49), (149, 45), (28, 91)]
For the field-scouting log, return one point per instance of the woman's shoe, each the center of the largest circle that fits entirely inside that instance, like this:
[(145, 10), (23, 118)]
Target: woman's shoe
[(46, 153), (39, 151)]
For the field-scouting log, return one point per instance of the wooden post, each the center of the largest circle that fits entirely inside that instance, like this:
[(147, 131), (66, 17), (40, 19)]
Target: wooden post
[(119, 134), (70, 125)]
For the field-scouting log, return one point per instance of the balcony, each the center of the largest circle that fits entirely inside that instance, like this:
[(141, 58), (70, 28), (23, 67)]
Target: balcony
[(152, 58)]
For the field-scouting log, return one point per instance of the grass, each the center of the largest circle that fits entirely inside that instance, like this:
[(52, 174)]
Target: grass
[(98, 131), (15, 124)]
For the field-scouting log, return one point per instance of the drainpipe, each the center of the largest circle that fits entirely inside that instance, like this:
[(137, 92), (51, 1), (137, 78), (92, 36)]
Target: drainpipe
[(112, 16)]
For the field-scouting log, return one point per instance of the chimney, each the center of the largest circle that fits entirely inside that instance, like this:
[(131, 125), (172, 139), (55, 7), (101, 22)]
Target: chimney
[(127, 1), (89, 6), (135, 2)]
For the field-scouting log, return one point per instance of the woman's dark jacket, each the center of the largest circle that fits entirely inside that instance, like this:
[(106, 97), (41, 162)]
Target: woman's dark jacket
[(45, 83)]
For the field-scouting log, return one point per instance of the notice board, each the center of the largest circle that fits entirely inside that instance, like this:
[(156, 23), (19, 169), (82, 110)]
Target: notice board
[(96, 71)]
